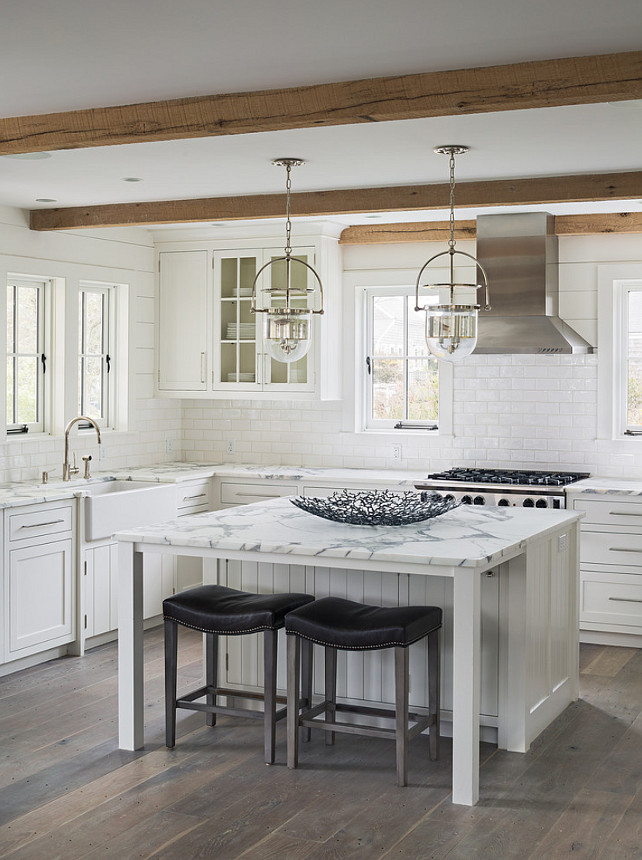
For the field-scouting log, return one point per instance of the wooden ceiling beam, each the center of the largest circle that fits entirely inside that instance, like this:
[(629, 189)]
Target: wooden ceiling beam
[(406, 198), (433, 231), (519, 86)]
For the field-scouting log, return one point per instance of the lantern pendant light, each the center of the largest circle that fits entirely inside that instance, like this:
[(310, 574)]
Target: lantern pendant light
[(451, 325), (287, 325)]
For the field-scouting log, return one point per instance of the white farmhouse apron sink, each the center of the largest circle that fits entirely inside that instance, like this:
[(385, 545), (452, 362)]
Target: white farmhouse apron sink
[(116, 505)]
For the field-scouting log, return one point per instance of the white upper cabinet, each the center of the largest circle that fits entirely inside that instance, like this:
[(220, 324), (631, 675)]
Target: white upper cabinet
[(183, 314), (211, 345)]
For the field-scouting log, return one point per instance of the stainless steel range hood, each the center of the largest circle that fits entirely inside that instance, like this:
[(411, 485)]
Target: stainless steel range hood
[(519, 255)]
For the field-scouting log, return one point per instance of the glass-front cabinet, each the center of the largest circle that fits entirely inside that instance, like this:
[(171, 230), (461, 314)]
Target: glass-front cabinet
[(242, 361), (209, 344)]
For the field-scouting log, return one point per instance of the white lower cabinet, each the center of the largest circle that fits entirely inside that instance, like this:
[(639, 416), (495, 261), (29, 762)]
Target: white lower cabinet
[(611, 566), (39, 582)]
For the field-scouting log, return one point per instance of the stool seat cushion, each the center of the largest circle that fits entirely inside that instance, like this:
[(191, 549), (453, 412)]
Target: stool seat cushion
[(218, 609), (340, 623)]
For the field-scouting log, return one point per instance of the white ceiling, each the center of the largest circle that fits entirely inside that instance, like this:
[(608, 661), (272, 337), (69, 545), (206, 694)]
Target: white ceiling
[(74, 54)]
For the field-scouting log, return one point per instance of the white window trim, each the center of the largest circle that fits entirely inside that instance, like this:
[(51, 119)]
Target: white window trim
[(354, 348), (611, 417), (109, 290), (45, 347)]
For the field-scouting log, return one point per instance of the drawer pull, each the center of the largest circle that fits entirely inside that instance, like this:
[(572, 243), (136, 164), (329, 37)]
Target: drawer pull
[(625, 514), (624, 549), (626, 599), (265, 496), (199, 496), (40, 525)]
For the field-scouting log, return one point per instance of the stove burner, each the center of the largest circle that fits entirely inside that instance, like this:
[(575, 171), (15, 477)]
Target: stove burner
[(509, 476)]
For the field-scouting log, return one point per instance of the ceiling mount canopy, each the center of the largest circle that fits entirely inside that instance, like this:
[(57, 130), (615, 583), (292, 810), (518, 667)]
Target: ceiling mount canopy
[(287, 326), (451, 321)]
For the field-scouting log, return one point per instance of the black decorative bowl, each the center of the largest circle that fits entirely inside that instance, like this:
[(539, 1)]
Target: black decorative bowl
[(376, 507)]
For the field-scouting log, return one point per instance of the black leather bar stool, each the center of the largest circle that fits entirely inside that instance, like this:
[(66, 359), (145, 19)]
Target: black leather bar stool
[(214, 610), (342, 624)]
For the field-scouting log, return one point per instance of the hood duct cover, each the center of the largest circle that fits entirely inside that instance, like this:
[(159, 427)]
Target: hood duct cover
[(519, 255)]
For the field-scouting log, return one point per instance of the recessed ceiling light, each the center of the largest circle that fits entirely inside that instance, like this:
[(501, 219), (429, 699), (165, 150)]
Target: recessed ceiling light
[(132, 179), (46, 200), (29, 156)]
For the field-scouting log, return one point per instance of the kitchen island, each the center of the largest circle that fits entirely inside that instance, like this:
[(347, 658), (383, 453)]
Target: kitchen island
[(535, 551)]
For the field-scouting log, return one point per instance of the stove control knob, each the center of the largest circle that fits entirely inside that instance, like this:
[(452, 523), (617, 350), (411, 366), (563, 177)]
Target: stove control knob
[(479, 500), (466, 500), (449, 498), (541, 503), (503, 502), (528, 503)]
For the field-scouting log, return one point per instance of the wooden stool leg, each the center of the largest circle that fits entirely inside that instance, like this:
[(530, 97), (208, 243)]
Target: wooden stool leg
[(401, 713), (171, 659), (330, 690), (306, 682), (269, 692), (211, 672), (293, 698), (433, 692)]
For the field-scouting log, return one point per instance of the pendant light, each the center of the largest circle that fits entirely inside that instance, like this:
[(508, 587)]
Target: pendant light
[(287, 325), (451, 324)]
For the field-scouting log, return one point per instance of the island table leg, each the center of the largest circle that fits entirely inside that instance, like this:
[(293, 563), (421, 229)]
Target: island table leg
[(131, 723), (466, 684)]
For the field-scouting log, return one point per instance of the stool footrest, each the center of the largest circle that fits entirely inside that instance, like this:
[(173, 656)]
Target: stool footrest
[(188, 702), (307, 719)]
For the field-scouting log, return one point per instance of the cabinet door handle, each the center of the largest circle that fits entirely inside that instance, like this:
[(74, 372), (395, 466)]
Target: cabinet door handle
[(203, 369), (39, 525), (199, 496), (626, 599), (625, 513), (624, 549)]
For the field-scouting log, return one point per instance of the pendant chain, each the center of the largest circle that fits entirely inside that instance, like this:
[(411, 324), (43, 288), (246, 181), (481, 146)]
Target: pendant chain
[(288, 223), (451, 241)]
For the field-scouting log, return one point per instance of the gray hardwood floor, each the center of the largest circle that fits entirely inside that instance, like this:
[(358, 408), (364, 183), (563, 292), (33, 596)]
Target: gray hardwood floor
[(67, 791)]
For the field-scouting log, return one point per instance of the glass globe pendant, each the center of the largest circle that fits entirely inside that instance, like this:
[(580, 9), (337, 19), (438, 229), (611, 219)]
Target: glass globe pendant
[(287, 325), (451, 324)]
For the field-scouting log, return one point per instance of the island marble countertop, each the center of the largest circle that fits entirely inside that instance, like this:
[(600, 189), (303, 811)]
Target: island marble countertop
[(463, 537)]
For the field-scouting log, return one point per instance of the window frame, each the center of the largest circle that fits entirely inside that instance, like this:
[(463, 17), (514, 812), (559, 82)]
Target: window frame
[(614, 283), (365, 380), (43, 285), (621, 357), (108, 380)]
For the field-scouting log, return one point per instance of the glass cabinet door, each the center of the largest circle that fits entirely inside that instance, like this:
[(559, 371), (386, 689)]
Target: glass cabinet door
[(279, 375), (238, 327)]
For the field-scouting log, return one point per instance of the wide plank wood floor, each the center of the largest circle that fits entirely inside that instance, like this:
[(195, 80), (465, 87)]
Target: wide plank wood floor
[(68, 792)]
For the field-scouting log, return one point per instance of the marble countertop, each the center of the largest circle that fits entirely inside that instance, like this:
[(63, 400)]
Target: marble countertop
[(463, 537), (33, 492)]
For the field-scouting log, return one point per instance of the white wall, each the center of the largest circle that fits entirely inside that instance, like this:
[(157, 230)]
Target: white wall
[(116, 256), (522, 411)]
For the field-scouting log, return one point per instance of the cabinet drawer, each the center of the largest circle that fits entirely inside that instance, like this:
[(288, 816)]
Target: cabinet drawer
[(244, 494), (611, 548), (610, 513), (194, 497), (33, 524), (612, 600)]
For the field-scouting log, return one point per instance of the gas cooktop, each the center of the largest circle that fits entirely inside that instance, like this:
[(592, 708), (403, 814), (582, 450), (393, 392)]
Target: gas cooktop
[(524, 478)]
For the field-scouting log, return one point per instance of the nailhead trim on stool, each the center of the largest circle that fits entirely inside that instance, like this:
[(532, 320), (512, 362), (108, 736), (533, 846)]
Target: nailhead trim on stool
[(217, 610), (339, 624)]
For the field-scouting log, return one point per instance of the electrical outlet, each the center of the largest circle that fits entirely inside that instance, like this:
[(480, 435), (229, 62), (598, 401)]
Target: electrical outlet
[(396, 452), (102, 451), (169, 445), (230, 446), (562, 543)]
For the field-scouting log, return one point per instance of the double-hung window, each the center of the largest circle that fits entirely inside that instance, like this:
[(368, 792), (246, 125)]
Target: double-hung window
[(26, 354), (401, 377), (95, 358), (630, 370)]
